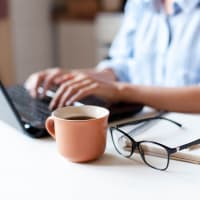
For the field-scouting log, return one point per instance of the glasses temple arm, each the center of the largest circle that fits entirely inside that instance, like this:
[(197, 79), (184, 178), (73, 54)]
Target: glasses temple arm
[(185, 146)]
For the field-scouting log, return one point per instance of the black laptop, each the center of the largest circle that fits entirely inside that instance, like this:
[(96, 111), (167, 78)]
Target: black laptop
[(20, 110)]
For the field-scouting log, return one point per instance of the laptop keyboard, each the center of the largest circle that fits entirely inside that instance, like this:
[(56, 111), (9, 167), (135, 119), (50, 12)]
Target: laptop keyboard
[(33, 111)]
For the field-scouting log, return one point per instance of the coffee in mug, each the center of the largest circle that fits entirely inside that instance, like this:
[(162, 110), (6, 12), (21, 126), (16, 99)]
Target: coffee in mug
[(80, 132), (80, 118)]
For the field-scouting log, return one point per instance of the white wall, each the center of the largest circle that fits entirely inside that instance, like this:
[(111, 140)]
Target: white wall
[(6, 59), (107, 26), (82, 44), (32, 40), (76, 44)]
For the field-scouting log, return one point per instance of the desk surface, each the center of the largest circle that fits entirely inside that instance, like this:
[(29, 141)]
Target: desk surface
[(32, 169)]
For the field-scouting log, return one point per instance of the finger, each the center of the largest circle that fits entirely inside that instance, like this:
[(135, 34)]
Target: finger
[(72, 90), (35, 83), (69, 79), (61, 90), (61, 79), (58, 95), (49, 80), (89, 90)]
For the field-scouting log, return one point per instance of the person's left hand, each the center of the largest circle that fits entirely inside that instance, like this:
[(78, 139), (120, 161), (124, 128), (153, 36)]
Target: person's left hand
[(82, 85)]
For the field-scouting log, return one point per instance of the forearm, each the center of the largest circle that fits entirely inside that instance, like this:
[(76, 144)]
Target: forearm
[(179, 99)]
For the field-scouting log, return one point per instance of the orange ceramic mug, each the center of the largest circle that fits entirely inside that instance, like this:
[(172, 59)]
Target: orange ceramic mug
[(80, 132)]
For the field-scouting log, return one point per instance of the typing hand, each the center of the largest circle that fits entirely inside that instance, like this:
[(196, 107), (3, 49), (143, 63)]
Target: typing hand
[(47, 79), (82, 85)]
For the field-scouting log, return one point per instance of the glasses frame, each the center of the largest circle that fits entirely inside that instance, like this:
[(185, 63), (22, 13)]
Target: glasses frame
[(136, 144)]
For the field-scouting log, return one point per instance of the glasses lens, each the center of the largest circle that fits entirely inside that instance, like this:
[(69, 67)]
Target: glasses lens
[(154, 155), (122, 143)]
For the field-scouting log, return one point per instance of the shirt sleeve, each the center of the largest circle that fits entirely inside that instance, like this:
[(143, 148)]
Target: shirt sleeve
[(122, 49)]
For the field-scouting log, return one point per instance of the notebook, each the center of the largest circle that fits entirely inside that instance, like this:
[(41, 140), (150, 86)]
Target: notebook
[(20, 110), (173, 136)]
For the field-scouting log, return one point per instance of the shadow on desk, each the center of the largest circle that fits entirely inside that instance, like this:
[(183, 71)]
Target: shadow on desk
[(114, 160)]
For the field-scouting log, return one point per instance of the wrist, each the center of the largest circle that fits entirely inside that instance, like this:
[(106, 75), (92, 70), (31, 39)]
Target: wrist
[(128, 92)]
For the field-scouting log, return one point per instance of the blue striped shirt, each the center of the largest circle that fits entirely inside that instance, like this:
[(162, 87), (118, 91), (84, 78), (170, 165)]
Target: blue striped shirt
[(153, 48)]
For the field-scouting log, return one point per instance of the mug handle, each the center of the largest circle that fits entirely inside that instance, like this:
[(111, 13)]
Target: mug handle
[(49, 124)]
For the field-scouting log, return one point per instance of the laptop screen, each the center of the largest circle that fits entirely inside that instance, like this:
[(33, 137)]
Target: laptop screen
[(7, 112)]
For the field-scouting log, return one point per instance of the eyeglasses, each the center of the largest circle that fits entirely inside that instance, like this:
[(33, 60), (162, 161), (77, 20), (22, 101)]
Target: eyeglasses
[(153, 154)]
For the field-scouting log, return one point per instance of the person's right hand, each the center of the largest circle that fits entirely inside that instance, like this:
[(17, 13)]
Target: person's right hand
[(46, 78)]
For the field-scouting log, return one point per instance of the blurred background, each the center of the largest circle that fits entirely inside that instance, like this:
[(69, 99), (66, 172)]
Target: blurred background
[(38, 34)]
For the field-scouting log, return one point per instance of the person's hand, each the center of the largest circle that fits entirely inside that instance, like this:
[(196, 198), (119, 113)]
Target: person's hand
[(82, 85), (46, 78)]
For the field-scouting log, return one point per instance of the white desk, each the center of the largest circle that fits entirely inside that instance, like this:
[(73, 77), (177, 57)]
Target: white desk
[(31, 169)]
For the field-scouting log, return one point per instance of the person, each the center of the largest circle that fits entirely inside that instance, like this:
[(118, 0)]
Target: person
[(154, 60)]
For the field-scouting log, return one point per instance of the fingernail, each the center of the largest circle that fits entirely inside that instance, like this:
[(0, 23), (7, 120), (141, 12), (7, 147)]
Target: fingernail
[(68, 103), (33, 94), (51, 106)]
